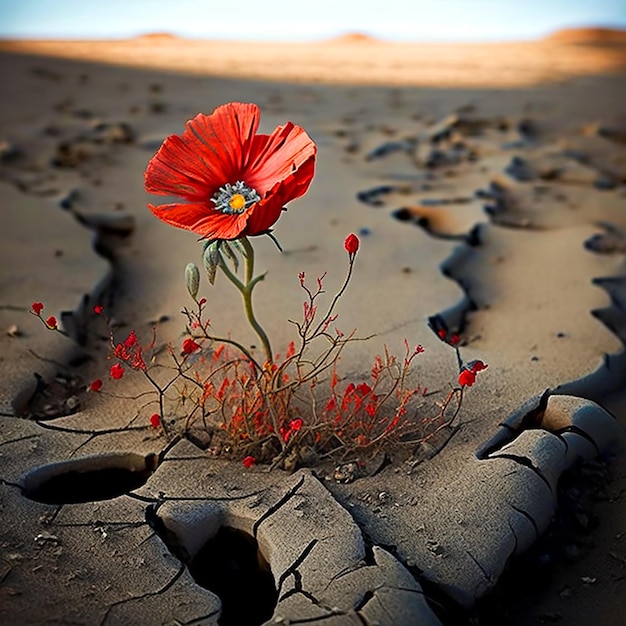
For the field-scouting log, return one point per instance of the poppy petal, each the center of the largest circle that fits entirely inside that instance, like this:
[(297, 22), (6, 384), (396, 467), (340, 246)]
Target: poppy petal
[(265, 213), (178, 170), (275, 157), (202, 220), (208, 154), (223, 138)]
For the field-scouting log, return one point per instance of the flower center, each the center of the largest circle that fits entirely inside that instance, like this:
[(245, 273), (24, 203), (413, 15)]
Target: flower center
[(237, 202), (235, 198)]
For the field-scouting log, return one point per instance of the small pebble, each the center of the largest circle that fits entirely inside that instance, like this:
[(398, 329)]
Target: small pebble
[(385, 497), (14, 331), (72, 403)]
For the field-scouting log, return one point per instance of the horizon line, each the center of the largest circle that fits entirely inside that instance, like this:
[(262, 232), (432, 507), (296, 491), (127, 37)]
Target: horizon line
[(356, 36)]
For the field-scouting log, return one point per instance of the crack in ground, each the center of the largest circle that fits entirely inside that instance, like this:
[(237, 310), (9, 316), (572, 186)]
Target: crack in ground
[(572, 428), (199, 620), (484, 572), (8, 483), (91, 432), (346, 572), (162, 498), (101, 524), (25, 438), (290, 494), (526, 462), (294, 566), (297, 588), (148, 594), (515, 549), (312, 620), (517, 423), (503, 204), (529, 517)]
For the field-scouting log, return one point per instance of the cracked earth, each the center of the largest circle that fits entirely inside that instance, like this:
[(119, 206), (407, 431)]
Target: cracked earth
[(500, 214)]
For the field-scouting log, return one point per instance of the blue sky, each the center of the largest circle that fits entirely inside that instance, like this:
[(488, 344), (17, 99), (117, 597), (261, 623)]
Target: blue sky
[(297, 20)]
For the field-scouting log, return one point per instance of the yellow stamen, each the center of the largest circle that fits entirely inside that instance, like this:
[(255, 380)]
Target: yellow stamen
[(237, 202)]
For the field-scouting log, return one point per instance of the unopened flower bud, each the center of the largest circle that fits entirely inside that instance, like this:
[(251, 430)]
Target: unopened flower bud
[(351, 244), (230, 254), (192, 279), (211, 259)]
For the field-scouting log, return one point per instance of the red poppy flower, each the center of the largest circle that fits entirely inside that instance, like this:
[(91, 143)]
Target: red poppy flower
[(155, 420), (235, 182), (37, 308), (96, 385), (52, 323)]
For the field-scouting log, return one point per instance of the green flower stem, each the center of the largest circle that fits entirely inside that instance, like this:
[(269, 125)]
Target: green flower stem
[(245, 288)]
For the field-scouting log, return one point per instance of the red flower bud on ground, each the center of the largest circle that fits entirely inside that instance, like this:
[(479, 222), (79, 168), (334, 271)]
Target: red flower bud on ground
[(155, 420), (98, 309), (52, 323), (37, 308), (351, 244), (116, 371), (202, 301), (190, 346), (96, 385), (249, 461)]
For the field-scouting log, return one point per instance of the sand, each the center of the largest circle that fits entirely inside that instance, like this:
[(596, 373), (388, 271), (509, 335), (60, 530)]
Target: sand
[(487, 184)]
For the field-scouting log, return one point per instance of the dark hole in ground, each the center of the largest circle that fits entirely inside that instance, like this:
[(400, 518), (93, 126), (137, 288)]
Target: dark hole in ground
[(232, 566), (88, 480)]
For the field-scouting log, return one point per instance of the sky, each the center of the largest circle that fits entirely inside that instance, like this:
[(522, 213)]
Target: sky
[(301, 20)]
